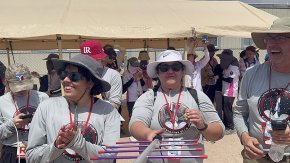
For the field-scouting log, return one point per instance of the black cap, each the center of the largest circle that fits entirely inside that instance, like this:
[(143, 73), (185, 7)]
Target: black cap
[(51, 56), (211, 48)]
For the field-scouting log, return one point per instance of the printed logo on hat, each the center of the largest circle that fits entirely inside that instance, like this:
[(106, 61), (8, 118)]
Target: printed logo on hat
[(165, 55), (19, 77), (87, 50)]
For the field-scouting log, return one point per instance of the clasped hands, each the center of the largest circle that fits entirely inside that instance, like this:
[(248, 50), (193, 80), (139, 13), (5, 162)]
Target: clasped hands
[(65, 135)]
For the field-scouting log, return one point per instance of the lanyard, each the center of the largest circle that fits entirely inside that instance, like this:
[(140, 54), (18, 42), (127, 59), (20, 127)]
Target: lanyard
[(27, 103), (176, 107), (88, 118)]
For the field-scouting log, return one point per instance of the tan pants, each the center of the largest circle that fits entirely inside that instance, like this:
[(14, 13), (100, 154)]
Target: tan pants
[(262, 160)]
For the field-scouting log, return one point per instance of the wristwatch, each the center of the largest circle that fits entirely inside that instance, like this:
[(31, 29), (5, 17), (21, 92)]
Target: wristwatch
[(204, 128)]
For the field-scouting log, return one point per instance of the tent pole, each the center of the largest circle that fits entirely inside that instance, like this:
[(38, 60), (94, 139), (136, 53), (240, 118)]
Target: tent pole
[(185, 57), (58, 39), (7, 50)]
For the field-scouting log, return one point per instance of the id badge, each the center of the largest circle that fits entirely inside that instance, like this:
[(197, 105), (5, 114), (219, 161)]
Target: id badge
[(21, 150), (267, 138), (173, 146)]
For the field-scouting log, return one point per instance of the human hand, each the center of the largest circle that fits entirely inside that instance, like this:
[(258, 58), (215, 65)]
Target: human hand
[(251, 147), (281, 136), (19, 122), (138, 75), (216, 77), (194, 116), (65, 136), (153, 133)]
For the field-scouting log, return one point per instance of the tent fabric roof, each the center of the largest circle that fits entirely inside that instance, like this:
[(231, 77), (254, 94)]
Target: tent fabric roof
[(38, 21)]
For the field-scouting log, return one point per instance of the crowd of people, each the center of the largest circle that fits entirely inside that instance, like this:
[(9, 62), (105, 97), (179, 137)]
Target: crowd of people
[(76, 112)]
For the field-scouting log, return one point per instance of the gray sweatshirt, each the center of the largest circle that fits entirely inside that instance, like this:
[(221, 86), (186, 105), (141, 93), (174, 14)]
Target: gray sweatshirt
[(155, 116), (8, 110), (51, 115), (247, 113), (114, 78)]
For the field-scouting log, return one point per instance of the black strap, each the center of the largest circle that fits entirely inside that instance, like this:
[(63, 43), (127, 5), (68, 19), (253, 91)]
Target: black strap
[(192, 92)]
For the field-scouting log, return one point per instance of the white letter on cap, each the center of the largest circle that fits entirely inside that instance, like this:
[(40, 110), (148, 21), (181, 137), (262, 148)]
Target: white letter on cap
[(87, 50)]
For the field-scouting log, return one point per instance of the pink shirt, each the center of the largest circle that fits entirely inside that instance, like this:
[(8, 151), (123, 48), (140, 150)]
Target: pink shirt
[(231, 89)]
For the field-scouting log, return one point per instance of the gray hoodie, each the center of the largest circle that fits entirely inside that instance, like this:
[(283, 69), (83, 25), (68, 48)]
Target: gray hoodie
[(51, 115)]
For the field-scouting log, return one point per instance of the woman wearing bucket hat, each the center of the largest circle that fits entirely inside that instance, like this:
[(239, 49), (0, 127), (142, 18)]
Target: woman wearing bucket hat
[(264, 91), (75, 127), (175, 114), (20, 101)]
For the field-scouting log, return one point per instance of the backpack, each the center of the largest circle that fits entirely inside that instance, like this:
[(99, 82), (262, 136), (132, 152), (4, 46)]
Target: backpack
[(192, 92)]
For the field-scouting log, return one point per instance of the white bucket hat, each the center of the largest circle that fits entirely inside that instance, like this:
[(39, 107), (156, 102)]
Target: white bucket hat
[(168, 56)]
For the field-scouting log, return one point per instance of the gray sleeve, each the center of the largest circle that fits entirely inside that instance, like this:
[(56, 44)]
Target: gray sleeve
[(202, 62), (38, 150), (110, 137), (7, 128), (43, 96), (207, 109), (143, 108), (116, 89), (241, 108)]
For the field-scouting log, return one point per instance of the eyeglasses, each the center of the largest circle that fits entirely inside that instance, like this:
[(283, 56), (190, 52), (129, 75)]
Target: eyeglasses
[(73, 76), (278, 39), (175, 67)]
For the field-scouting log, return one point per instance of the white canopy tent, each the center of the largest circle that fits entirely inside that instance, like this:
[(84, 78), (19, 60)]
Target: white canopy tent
[(38, 24)]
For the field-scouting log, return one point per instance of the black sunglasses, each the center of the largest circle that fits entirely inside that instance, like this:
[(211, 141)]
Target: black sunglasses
[(73, 76), (175, 67)]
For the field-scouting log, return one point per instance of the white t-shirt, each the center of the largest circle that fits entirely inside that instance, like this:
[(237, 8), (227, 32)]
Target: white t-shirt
[(231, 89), (194, 80)]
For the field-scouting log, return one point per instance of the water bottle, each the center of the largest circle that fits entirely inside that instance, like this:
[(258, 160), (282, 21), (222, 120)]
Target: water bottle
[(278, 122), (276, 152)]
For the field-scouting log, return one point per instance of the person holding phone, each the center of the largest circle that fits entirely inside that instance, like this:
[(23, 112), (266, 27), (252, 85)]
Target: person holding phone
[(18, 105), (132, 83)]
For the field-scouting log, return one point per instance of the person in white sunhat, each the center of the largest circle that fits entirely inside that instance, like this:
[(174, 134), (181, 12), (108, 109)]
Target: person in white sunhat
[(174, 110), (263, 89)]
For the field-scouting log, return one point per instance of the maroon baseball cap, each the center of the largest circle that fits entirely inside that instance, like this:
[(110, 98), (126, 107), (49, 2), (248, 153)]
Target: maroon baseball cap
[(93, 48)]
